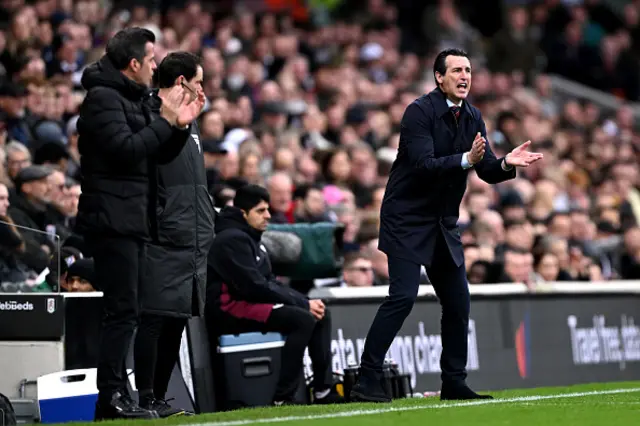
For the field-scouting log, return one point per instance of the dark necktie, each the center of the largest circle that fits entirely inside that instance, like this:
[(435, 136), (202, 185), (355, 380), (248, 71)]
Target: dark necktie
[(455, 110)]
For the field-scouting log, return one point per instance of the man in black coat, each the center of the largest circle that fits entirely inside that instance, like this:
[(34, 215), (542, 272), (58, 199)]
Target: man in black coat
[(182, 217), (243, 295), (117, 136), (418, 221)]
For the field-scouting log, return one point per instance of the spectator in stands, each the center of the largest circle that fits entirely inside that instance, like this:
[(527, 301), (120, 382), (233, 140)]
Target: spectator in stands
[(546, 266), (280, 186), (514, 48), (57, 219), (481, 272), (79, 277), (117, 137), (243, 295), (559, 225), (53, 154), (18, 157), (4, 177), (29, 209), (518, 266), (12, 244), (357, 271), (214, 152), (310, 204), (12, 103), (59, 263), (181, 235)]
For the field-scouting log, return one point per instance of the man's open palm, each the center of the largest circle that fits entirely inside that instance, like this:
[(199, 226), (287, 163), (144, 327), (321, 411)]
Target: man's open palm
[(188, 112), (520, 157)]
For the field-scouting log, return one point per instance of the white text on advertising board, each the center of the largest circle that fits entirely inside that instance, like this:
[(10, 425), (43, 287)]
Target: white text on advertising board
[(12, 305), (604, 344), (417, 353)]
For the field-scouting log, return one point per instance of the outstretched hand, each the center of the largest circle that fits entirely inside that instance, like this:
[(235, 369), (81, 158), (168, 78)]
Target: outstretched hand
[(520, 157)]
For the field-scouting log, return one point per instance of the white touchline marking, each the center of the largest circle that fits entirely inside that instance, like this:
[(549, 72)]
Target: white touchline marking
[(355, 413)]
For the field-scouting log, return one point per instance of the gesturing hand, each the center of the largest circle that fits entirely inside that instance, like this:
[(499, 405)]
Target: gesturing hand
[(477, 149), (171, 103), (189, 111), (520, 157), (316, 307)]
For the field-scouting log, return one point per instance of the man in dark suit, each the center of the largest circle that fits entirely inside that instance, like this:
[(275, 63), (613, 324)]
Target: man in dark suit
[(418, 221)]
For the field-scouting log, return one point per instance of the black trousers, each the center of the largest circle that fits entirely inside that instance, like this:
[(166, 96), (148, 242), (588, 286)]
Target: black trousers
[(119, 270), (156, 351), (450, 284), (301, 330)]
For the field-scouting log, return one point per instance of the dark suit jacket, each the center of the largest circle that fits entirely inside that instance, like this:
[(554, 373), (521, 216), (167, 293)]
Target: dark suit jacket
[(427, 181)]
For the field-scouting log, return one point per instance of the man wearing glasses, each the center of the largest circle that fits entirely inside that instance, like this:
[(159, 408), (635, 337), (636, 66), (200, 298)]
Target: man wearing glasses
[(357, 271)]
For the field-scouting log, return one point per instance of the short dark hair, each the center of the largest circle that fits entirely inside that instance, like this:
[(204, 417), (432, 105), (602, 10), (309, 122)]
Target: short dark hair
[(302, 191), (249, 196), (552, 217), (128, 44), (174, 65), (352, 257), (440, 64)]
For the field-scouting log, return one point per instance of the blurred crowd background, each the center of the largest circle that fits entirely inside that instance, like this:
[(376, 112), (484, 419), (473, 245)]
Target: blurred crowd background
[(306, 97)]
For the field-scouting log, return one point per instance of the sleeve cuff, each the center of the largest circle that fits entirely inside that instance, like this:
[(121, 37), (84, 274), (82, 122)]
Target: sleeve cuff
[(465, 161), (506, 168)]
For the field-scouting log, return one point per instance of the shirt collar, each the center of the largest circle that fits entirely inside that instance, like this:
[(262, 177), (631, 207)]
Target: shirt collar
[(450, 104)]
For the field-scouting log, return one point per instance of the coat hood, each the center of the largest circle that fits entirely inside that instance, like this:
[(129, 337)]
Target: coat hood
[(103, 73), (231, 218)]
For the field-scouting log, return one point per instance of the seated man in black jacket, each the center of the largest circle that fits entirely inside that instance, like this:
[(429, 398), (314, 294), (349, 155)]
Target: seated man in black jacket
[(243, 296)]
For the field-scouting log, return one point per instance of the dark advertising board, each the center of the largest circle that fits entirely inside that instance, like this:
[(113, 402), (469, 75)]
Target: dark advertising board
[(31, 317), (519, 342)]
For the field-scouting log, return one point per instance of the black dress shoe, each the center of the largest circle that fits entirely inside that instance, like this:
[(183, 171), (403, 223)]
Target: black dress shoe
[(458, 392), (163, 408), (369, 388), (121, 406)]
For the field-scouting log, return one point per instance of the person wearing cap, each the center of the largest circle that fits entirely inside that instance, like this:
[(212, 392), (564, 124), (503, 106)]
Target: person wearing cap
[(53, 154), (273, 116), (29, 209), (118, 136), (80, 276), (182, 217), (214, 152)]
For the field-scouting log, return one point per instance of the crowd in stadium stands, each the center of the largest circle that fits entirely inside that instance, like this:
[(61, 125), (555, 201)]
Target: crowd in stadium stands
[(313, 114)]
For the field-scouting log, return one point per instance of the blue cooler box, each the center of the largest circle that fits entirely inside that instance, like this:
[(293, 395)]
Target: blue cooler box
[(250, 364), (68, 396)]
